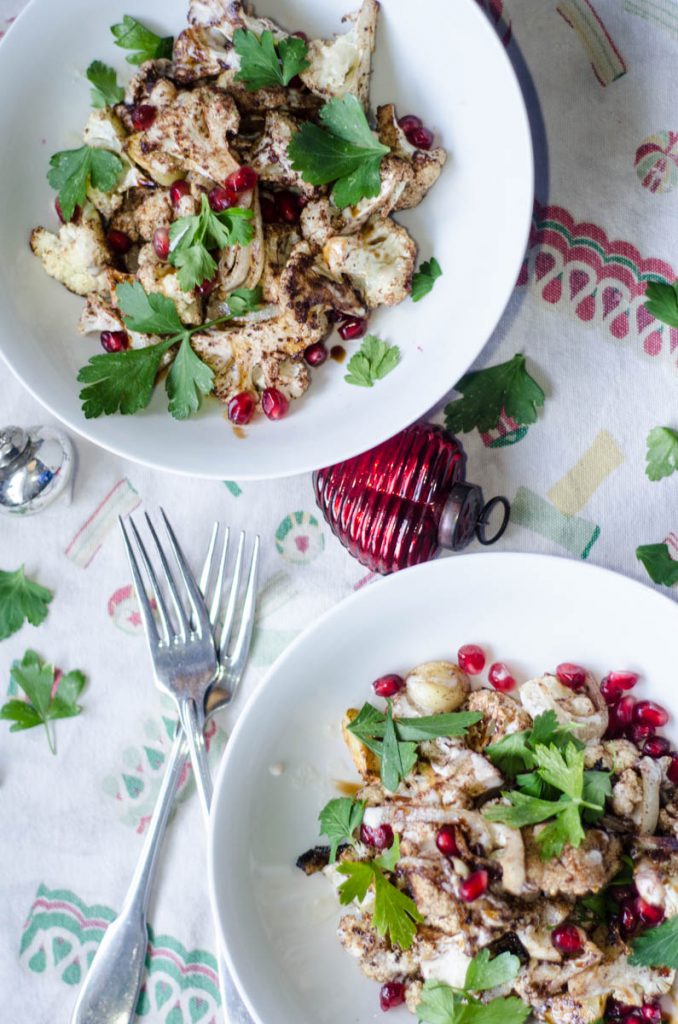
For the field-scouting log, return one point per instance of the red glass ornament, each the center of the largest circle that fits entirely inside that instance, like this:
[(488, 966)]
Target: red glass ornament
[(398, 504)]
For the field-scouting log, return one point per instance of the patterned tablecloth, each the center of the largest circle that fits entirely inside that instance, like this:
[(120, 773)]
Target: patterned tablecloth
[(599, 78)]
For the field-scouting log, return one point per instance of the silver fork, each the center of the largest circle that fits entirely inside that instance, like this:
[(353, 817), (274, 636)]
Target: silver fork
[(111, 989)]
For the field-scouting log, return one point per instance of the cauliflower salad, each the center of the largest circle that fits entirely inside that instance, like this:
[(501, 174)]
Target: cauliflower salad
[(509, 850), (230, 206)]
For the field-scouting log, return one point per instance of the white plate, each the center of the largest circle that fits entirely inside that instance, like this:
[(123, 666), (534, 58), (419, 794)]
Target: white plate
[(447, 66), (277, 926)]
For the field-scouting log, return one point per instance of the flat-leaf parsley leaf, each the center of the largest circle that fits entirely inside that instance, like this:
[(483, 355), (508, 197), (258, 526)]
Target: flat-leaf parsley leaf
[(506, 387), (339, 820), (657, 947), (424, 279), (72, 170), (662, 453), (372, 362), (662, 301), (263, 62), (37, 680), (191, 239), (130, 34), (21, 600), (661, 568), (105, 90), (344, 151)]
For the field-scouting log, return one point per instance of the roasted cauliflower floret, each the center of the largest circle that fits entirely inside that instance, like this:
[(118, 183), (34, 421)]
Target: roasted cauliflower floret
[(585, 710), (269, 156), (584, 869), (142, 211), (193, 134), (98, 315), (257, 354), (225, 16), (308, 289), (155, 276), (425, 165), (625, 982), (77, 256), (200, 53), (279, 241), (379, 260), (501, 715), (343, 64)]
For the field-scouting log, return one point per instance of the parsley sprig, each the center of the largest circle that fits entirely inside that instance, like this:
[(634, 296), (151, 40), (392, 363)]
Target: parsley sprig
[(339, 820), (660, 566), (192, 238), (21, 600), (662, 453), (145, 45), (395, 740), (442, 1004), (264, 62), (424, 278), (124, 381), (571, 794), (344, 151), (47, 699), (105, 90), (72, 170), (507, 387), (395, 914), (371, 362), (657, 947)]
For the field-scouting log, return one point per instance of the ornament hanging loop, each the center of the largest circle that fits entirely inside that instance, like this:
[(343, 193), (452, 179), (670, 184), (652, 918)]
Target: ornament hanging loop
[(484, 520)]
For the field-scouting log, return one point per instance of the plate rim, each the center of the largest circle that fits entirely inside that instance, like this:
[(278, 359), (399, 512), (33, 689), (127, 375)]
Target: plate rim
[(444, 564), (81, 426)]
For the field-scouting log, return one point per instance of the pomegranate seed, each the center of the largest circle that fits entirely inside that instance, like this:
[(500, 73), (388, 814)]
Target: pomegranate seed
[(474, 886), (241, 408), (336, 317), (114, 341), (571, 675), (634, 1016), (410, 122), (161, 243), (118, 241), (381, 837), (646, 712), (446, 841), (268, 211), (640, 733), (628, 918), (649, 915), (143, 116), (178, 190), (391, 994), (353, 328), (274, 403), (420, 138), (388, 686), (207, 287), (672, 770), (300, 35), (621, 716), (500, 677), (610, 690), (221, 198), (242, 180), (623, 679), (651, 1012), (656, 746), (288, 207), (471, 659), (315, 355), (567, 939)]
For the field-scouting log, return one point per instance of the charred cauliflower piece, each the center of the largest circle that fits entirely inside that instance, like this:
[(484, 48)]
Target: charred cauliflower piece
[(142, 211), (279, 241), (501, 716), (629, 984), (586, 869), (379, 260), (225, 16), (78, 256), (307, 288), (585, 710), (258, 354), (343, 64), (269, 157), (425, 165), (155, 276), (200, 53), (190, 134)]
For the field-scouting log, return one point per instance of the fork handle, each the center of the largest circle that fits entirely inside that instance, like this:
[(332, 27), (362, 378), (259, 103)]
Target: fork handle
[(110, 992), (193, 731)]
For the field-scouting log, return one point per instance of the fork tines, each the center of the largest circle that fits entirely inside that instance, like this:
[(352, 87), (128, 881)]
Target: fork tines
[(233, 645)]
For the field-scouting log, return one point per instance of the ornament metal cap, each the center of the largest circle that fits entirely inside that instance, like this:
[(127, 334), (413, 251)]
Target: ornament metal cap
[(35, 467), (466, 515)]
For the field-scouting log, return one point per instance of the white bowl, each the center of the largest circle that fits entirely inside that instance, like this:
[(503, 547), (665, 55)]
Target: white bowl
[(285, 756), (443, 62)]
